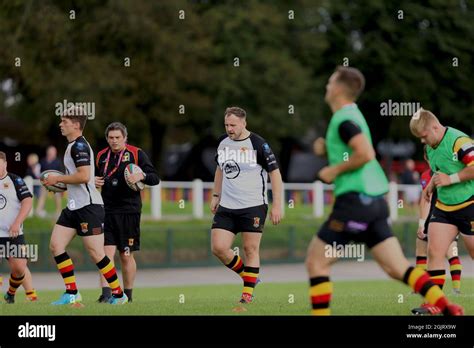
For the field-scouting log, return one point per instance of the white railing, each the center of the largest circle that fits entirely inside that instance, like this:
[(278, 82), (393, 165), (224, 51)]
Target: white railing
[(318, 189)]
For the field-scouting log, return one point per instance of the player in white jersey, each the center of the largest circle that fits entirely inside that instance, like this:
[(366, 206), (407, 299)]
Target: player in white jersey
[(15, 205), (239, 202), (84, 214)]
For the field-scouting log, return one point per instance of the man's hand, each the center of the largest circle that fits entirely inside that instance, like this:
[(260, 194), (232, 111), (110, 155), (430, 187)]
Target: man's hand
[(420, 233), (14, 230), (441, 179), (214, 204), (99, 181), (134, 178), (328, 174), (50, 180), (275, 214), (319, 147)]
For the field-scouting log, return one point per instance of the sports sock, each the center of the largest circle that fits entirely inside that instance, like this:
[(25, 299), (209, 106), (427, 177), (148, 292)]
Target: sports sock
[(421, 262), (15, 282), (438, 276), (31, 293), (320, 293), (106, 291), (455, 268), (66, 268), (421, 283), (107, 269), (237, 265), (250, 279), (128, 292)]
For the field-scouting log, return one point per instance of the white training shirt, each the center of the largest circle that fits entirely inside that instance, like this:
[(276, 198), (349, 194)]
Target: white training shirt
[(78, 154), (244, 164), (12, 191)]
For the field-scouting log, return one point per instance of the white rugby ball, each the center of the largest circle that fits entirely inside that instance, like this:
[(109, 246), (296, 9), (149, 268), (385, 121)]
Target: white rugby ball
[(133, 169), (59, 187)]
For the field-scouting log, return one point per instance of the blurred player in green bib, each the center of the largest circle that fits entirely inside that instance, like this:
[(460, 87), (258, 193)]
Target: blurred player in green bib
[(450, 153), (360, 213)]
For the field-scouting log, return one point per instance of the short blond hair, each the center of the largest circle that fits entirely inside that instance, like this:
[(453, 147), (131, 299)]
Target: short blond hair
[(421, 120)]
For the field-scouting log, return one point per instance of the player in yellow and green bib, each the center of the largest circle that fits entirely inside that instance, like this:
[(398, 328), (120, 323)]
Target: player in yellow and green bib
[(451, 156), (360, 213)]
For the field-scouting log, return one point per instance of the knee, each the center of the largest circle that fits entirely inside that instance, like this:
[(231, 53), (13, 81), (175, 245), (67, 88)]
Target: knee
[(55, 248), (126, 258), (250, 250), (218, 249)]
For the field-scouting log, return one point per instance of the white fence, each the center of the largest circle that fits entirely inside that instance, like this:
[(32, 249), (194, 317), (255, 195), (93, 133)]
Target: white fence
[(317, 188)]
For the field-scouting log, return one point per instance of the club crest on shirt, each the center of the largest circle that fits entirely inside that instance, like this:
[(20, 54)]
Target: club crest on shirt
[(126, 157), (256, 222), (84, 227), (130, 241), (231, 169), (5, 185)]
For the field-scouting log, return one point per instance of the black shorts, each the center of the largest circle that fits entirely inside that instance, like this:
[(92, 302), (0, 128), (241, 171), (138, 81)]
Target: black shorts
[(463, 218), (359, 218), (13, 247), (87, 221), (123, 230), (425, 229), (241, 220)]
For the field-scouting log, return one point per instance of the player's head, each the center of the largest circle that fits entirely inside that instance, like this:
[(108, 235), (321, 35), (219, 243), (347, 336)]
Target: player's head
[(426, 126), (32, 159), (51, 152), (345, 83), (116, 135), (73, 120), (235, 121), (3, 164)]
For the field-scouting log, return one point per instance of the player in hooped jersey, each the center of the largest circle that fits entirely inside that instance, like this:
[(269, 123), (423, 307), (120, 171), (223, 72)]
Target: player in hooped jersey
[(239, 199), (84, 214)]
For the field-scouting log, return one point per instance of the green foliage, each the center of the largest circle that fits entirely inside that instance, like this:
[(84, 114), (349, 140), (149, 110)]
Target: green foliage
[(190, 62)]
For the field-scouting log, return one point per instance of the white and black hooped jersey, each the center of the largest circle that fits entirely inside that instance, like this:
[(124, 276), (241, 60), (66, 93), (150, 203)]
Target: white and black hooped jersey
[(78, 154), (244, 164), (12, 191)]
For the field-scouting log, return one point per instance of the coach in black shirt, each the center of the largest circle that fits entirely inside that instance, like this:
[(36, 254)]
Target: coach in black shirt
[(122, 204)]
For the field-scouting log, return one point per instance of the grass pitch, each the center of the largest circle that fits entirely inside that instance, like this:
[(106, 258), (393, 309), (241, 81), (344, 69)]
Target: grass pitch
[(377, 297)]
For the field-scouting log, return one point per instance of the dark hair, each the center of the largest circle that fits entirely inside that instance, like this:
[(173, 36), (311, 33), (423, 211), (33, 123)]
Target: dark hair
[(76, 114), (352, 78), (116, 126), (235, 110), (3, 156)]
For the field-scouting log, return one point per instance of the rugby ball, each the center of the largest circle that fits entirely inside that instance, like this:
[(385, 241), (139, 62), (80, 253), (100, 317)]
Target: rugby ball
[(133, 169), (59, 187)]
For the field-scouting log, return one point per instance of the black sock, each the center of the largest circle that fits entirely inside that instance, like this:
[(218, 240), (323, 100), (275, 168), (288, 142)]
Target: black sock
[(106, 291), (128, 292)]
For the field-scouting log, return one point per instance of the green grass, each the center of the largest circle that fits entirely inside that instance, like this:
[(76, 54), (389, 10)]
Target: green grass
[(379, 297)]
